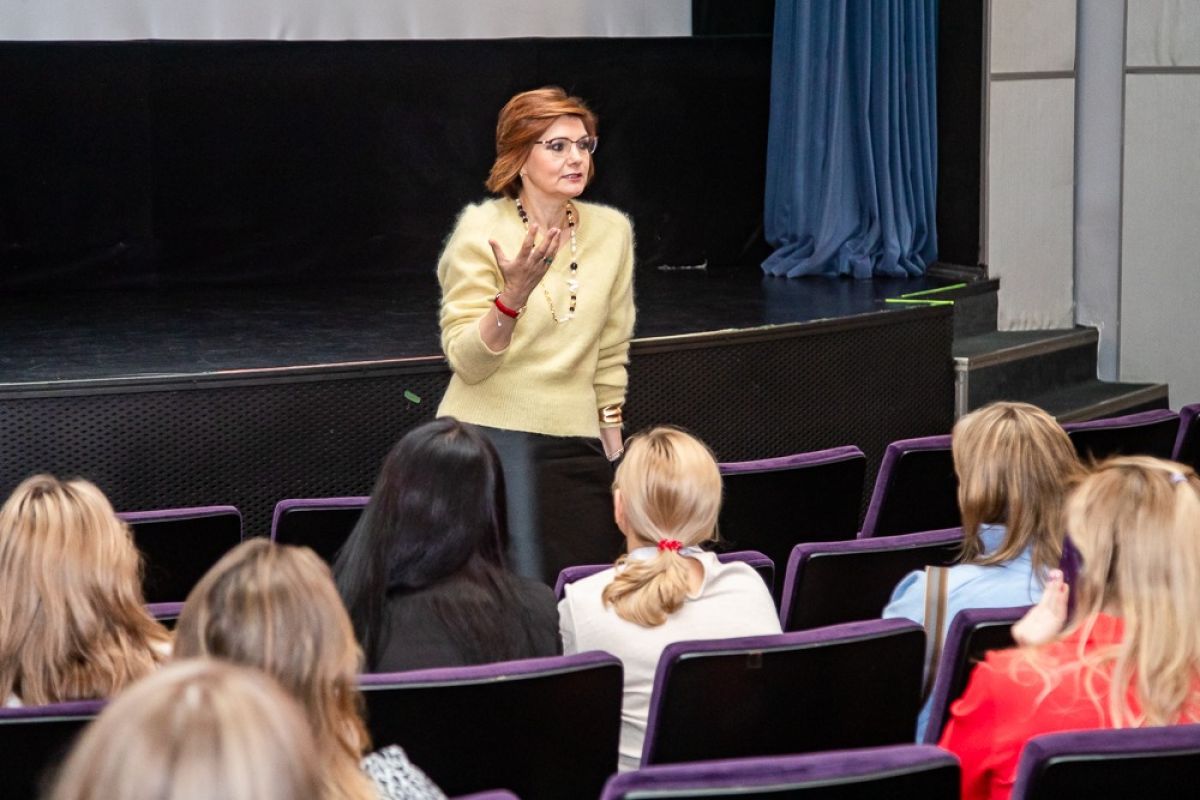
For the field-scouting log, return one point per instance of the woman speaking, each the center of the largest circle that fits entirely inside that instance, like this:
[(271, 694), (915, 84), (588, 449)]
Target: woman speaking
[(536, 316)]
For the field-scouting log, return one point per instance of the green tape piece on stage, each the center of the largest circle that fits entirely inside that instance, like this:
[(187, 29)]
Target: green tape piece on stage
[(412, 398), (923, 292), (919, 302)]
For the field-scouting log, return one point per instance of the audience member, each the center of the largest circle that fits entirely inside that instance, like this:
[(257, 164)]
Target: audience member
[(196, 730), (1130, 657), (423, 573), (73, 624), (664, 589), (275, 608), (1014, 464)]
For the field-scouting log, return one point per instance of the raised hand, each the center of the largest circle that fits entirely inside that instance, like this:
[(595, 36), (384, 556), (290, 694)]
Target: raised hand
[(523, 272), (1045, 620)]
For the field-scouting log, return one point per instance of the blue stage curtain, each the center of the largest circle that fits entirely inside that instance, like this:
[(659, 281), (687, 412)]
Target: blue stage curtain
[(852, 146)]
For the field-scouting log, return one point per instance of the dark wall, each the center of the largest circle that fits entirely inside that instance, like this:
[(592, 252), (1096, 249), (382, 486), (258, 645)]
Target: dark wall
[(176, 163), (960, 130)]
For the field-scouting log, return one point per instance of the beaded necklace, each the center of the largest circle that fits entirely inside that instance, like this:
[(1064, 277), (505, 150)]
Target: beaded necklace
[(573, 280)]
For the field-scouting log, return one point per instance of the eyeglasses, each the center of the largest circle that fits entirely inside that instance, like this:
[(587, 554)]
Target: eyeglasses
[(561, 145)]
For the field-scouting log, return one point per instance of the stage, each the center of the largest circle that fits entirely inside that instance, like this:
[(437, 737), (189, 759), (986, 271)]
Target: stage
[(249, 395)]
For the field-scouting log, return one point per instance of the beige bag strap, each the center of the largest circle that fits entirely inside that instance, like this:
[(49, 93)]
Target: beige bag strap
[(937, 588)]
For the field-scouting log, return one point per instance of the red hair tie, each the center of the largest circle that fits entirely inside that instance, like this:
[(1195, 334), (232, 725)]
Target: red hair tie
[(669, 544)]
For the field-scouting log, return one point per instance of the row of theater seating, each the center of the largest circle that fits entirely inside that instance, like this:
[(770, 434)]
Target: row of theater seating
[(725, 714), (771, 505)]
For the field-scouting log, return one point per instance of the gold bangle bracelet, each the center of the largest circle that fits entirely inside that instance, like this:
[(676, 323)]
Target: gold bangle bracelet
[(611, 415)]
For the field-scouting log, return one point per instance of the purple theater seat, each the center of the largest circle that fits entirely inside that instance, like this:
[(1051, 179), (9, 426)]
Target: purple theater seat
[(833, 582), (322, 523), (915, 490), (897, 771), (1187, 443), (544, 727), (763, 565), (180, 544), (1149, 433), (854, 685), (1102, 764), (34, 740), (773, 504), (972, 633)]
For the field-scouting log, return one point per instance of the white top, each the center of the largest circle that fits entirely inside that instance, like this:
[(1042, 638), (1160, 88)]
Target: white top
[(732, 601)]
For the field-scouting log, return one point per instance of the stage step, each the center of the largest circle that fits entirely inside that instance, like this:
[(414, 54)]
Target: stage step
[(1053, 369)]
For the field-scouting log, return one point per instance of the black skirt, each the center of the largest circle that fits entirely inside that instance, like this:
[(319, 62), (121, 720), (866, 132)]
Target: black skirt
[(559, 495)]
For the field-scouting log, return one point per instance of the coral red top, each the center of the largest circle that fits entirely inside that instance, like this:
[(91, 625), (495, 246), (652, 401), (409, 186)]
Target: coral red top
[(1007, 702)]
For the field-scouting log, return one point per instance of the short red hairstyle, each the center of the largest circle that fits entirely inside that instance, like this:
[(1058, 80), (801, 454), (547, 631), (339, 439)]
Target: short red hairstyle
[(522, 121)]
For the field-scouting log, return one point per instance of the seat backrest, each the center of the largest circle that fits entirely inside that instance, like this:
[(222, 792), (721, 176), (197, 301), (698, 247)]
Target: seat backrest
[(832, 582), (896, 771), (545, 727), (773, 504), (1149, 433), (179, 546), (916, 489), (34, 741), (1121, 763), (972, 633), (322, 523), (854, 685), (763, 565), (1187, 443)]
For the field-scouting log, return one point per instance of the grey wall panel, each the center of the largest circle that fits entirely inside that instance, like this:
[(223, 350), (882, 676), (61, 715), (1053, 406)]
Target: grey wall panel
[(1164, 33), (1160, 287)]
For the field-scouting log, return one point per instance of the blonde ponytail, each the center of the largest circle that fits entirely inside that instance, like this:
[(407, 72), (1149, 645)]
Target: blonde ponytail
[(671, 492)]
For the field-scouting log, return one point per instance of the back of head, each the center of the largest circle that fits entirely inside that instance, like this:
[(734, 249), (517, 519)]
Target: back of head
[(668, 496), (195, 730), (1136, 523), (437, 511), (1014, 464), (274, 607), (74, 624)]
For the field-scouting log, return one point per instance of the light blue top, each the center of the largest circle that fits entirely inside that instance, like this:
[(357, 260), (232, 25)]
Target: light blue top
[(970, 586)]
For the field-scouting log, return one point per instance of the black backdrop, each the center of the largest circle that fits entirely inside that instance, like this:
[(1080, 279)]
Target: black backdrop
[(184, 163)]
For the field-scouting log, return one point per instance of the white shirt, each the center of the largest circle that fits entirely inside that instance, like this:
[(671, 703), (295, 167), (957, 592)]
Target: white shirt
[(732, 601)]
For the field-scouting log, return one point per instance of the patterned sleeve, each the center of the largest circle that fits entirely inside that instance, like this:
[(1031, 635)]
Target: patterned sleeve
[(397, 778)]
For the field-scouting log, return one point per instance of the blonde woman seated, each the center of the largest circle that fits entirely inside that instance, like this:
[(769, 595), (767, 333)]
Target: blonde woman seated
[(665, 589), (1014, 463), (73, 624), (275, 608), (195, 730), (1131, 656)]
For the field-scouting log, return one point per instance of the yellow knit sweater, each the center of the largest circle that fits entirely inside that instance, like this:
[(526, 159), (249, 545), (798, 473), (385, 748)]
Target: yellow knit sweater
[(552, 378)]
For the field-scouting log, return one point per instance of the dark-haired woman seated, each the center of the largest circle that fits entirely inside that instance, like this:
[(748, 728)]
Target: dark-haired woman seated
[(423, 574)]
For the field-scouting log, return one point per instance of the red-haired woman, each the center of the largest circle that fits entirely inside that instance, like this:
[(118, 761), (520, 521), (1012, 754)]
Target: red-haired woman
[(536, 316)]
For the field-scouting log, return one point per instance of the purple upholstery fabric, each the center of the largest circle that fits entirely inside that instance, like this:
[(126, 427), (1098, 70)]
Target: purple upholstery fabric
[(569, 575), (159, 515), (1127, 421), (72, 708), (758, 645), (801, 554), (284, 506), (815, 458), (1150, 433), (895, 451), (954, 664), (164, 610), (483, 673), (1187, 443), (817, 769), (1107, 744)]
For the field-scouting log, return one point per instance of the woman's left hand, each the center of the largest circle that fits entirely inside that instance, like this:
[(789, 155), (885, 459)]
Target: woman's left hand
[(614, 448), (1045, 620)]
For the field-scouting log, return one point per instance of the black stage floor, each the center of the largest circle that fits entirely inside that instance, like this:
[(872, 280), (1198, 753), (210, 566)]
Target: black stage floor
[(106, 335)]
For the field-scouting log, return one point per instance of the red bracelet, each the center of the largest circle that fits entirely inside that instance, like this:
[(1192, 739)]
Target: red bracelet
[(505, 310)]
